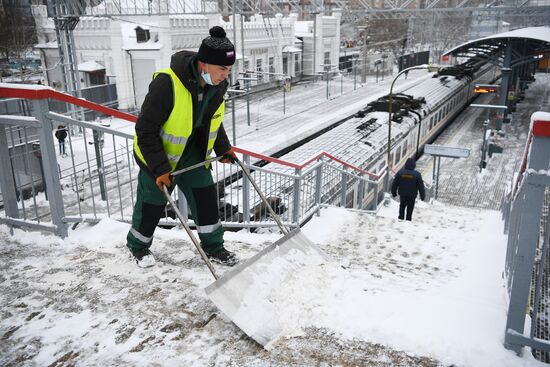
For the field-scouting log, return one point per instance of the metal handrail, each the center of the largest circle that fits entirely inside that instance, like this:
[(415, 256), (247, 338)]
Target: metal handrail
[(306, 162)]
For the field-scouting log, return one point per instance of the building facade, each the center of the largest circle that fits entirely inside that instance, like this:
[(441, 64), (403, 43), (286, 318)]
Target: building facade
[(126, 51)]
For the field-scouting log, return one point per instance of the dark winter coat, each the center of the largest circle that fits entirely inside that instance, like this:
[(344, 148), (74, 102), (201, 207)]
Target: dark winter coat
[(158, 105), (61, 133), (408, 181)]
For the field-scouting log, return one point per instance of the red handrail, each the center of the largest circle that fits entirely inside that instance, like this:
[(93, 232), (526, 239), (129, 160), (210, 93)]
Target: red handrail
[(305, 163), (523, 165), (42, 92)]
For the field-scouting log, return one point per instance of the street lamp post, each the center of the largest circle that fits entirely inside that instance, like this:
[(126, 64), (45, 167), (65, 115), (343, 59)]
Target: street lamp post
[(363, 34), (355, 61), (431, 68), (327, 69)]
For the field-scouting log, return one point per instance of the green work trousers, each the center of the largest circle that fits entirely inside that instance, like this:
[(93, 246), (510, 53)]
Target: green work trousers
[(200, 192)]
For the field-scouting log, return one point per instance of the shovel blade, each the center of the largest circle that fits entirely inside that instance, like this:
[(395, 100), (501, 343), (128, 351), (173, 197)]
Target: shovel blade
[(246, 293)]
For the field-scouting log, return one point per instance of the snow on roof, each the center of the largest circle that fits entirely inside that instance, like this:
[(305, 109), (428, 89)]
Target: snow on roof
[(302, 27), (129, 38), (24, 86), (535, 33), (291, 49), (90, 66), (188, 16), (51, 44), (146, 27), (142, 46), (238, 55)]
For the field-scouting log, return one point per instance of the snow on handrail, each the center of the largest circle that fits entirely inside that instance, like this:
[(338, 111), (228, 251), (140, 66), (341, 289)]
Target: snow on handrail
[(8, 90)]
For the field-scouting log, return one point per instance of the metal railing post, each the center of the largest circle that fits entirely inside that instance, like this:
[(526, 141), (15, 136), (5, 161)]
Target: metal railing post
[(49, 159), (246, 192), (98, 146), (9, 194), (318, 186), (376, 185), (297, 197), (387, 181), (344, 188), (360, 193)]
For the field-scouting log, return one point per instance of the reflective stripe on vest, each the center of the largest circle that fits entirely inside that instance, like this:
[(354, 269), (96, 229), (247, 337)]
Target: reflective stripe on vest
[(178, 128)]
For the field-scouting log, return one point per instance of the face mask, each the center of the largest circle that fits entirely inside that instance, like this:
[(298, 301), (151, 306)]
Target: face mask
[(206, 77)]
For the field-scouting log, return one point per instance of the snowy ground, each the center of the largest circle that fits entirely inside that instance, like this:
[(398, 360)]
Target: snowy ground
[(425, 293)]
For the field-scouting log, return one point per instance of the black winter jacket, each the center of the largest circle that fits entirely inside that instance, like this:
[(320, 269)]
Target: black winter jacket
[(61, 133), (157, 107), (408, 181)]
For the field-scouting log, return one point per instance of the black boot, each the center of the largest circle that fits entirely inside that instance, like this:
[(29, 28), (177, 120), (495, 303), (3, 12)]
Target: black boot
[(223, 257), (144, 258)]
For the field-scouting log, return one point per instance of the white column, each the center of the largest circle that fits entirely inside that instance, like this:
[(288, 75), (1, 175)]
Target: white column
[(335, 53), (278, 57), (318, 40), (165, 39), (121, 67)]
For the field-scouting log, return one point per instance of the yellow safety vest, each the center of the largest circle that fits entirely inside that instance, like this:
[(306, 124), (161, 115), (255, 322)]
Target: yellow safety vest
[(177, 129)]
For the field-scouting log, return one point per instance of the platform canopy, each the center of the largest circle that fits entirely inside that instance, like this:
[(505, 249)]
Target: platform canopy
[(527, 44)]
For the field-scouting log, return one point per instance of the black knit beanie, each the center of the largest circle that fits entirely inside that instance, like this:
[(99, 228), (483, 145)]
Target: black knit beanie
[(217, 49)]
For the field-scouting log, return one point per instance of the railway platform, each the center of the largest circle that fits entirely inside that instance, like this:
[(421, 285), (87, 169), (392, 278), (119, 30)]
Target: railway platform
[(460, 181)]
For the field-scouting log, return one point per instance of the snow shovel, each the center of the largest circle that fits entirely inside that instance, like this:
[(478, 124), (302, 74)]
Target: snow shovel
[(247, 293)]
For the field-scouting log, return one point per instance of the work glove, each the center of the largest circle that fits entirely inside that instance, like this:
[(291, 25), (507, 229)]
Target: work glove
[(229, 157), (164, 180)]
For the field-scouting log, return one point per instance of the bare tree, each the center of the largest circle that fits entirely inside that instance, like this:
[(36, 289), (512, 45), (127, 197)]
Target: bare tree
[(386, 35), (18, 31), (449, 32)]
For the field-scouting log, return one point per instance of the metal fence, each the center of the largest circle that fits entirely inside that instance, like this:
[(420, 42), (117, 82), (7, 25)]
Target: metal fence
[(96, 178), (527, 258)]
